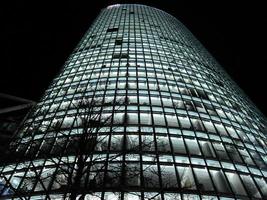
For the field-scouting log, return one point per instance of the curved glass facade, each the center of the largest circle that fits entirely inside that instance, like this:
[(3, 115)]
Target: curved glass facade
[(173, 124)]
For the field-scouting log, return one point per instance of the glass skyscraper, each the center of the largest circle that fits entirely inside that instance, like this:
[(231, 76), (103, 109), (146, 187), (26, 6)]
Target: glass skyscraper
[(140, 110)]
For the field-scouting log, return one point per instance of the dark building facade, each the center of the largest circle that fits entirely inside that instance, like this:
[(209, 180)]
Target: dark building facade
[(140, 110)]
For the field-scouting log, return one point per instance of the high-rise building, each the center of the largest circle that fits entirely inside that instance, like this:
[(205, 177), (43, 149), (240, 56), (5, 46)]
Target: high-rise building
[(140, 110)]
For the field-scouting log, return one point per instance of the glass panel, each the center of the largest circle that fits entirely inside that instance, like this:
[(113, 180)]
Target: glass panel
[(96, 176), (152, 196), (168, 177), (209, 126), (132, 118), (182, 159), (94, 196), (235, 183), (118, 118), (102, 143), (148, 143), (220, 150), (198, 125), (221, 130), (145, 118), (44, 179), (172, 121), (151, 176), (190, 197), (262, 185), (245, 155), (220, 181), (251, 187), (197, 161), (192, 146), (172, 196), (113, 176), (132, 142), (132, 196), (159, 119), (155, 101), (116, 142), (233, 153), (178, 145), (203, 179), (186, 178), (143, 100), (185, 123), (207, 149), (112, 196), (133, 174), (208, 197), (165, 158), (163, 144)]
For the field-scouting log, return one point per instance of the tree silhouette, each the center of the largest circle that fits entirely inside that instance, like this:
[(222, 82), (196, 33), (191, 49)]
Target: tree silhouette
[(81, 155), (70, 153)]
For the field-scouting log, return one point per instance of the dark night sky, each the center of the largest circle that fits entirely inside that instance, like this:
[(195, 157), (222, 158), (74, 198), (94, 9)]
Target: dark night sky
[(38, 36)]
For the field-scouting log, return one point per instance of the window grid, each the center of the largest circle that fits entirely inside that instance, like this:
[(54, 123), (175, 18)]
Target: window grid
[(181, 123)]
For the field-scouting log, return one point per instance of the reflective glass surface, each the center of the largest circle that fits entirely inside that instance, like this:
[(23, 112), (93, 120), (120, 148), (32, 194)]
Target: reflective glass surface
[(163, 118)]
